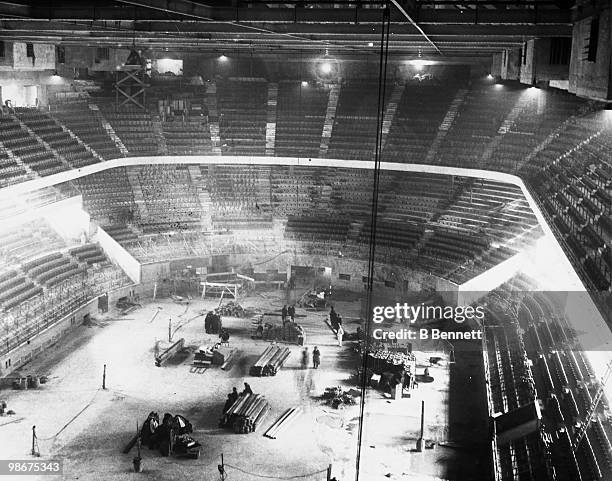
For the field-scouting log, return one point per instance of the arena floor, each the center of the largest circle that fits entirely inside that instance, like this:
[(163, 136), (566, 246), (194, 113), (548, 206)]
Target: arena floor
[(88, 427)]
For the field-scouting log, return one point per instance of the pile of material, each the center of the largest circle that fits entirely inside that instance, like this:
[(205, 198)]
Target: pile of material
[(212, 323), (336, 397), (270, 361), (289, 332), (222, 356), (166, 352), (203, 356), (232, 309), (246, 414), (283, 422), (381, 361)]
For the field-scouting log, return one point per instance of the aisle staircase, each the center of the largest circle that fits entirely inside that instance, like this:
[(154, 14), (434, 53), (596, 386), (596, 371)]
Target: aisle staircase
[(330, 115), (109, 129), (445, 126), (213, 118), (390, 111), (271, 118)]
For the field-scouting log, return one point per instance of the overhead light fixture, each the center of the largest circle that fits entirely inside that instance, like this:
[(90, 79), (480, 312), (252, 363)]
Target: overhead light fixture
[(304, 83), (223, 58), (326, 68), (490, 77), (371, 44)]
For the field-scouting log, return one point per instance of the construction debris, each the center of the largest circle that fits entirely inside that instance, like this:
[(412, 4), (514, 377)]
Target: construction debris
[(125, 305), (283, 422), (381, 361), (246, 414), (233, 309), (287, 332), (203, 357), (336, 397), (270, 361)]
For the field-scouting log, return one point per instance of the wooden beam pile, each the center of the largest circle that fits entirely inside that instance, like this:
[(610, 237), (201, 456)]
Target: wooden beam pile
[(246, 414), (170, 352), (270, 361), (283, 422)]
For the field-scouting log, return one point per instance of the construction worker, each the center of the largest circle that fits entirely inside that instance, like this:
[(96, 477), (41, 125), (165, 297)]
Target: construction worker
[(316, 357), (291, 312), (284, 313), (305, 358), (339, 334)]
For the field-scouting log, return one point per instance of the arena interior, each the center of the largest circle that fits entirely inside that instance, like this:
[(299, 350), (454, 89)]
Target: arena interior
[(195, 194)]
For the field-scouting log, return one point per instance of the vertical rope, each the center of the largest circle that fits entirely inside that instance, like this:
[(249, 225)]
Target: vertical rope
[(382, 77)]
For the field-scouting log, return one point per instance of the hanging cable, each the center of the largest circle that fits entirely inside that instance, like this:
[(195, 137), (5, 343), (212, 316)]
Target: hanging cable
[(382, 82)]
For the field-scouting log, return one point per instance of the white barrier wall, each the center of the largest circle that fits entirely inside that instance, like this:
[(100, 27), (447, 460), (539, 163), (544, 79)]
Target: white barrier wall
[(117, 253)]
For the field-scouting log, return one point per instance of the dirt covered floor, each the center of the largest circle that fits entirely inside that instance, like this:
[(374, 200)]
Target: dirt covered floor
[(88, 427)]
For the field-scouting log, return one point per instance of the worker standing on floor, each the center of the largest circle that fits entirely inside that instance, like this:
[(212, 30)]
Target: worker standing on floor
[(284, 313), (305, 358), (291, 312), (316, 357), (339, 334)]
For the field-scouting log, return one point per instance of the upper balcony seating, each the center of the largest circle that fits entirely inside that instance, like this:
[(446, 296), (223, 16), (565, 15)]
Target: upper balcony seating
[(419, 114), (133, 126), (11, 172), (52, 133), (354, 129), (300, 116), (82, 121), (476, 124), (242, 109), (27, 148)]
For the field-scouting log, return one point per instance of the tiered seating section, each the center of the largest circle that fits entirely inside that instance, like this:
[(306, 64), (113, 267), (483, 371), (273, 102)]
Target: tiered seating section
[(82, 121), (574, 185), (301, 114), (108, 196), (32, 155), (419, 114), (170, 200), (531, 356), (51, 132), (134, 126), (355, 124), (476, 125), (242, 108), (42, 280), (184, 119), (535, 132), (453, 227)]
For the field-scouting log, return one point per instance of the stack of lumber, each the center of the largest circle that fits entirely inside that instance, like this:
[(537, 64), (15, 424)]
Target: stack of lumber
[(270, 361), (283, 422), (169, 352), (222, 356), (246, 414), (382, 361), (290, 332)]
